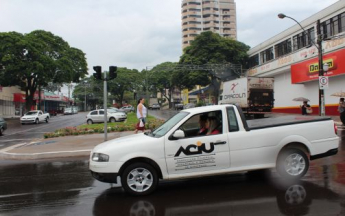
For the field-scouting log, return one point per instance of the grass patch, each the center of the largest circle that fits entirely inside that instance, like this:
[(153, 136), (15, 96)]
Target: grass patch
[(128, 125)]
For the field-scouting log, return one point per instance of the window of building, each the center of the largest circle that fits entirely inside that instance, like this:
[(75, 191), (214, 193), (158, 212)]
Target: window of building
[(193, 35), (185, 23), (215, 15), (194, 9), (333, 26), (194, 22), (206, 16), (266, 55), (206, 29), (194, 3), (184, 17), (303, 39), (216, 28), (283, 48), (206, 9), (195, 16), (216, 21), (193, 28), (207, 22), (254, 60)]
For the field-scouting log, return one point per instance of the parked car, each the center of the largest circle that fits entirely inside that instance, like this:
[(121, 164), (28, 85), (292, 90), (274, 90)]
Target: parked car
[(155, 107), (35, 116), (178, 106), (175, 150), (97, 116), (128, 108), (68, 111), (189, 105), (3, 126)]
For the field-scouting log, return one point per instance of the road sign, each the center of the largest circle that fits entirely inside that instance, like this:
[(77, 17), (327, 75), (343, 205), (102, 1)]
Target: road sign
[(323, 82)]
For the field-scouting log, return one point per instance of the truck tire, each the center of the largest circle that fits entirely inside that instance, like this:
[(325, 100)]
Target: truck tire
[(37, 121), (139, 179), (112, 120), (292, 164), (1, 131), (47, 119), (89, 122)]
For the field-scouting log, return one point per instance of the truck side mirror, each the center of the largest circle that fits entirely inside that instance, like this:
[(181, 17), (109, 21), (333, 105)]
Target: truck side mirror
[(178, 134)]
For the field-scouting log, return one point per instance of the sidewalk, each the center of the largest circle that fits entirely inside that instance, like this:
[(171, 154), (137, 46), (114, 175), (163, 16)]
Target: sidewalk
[(68, 146)]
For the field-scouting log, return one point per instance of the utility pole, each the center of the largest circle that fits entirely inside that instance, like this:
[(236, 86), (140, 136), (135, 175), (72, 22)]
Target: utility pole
[(321, 91)]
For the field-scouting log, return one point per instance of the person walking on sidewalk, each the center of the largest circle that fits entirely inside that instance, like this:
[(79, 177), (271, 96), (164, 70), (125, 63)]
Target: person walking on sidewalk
[(341, 109), (141, 115)]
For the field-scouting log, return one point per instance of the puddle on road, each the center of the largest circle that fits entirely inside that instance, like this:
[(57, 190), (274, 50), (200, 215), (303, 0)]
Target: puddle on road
[(44, 143)]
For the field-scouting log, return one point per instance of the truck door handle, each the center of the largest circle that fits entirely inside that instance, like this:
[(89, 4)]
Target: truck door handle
[(219, 143)]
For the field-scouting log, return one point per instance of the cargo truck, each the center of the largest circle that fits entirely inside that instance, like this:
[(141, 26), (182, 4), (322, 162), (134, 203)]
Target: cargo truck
[(254, 95)]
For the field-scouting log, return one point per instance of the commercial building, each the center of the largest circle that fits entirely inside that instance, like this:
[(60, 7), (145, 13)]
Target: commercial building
[(198, 16), (12, 102), (292, 59)]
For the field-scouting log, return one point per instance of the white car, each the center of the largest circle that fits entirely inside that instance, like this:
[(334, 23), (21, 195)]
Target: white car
[(177, 150), (34, 116), (68, 111), (97, 116)]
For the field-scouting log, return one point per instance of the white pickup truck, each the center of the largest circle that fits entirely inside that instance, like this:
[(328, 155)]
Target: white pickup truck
[(34, 116), (176, 150)]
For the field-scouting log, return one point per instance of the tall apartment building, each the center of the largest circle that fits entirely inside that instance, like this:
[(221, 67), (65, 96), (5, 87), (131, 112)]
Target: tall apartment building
[(218, 16)]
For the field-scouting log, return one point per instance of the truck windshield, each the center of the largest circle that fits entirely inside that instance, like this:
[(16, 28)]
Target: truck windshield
[(164, 128)]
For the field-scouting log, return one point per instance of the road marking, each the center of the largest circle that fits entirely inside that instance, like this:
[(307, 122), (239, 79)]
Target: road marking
[(13, 140), (12, 147)]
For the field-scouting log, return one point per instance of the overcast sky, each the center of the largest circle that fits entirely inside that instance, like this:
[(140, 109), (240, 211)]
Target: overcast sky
[(140, 33)]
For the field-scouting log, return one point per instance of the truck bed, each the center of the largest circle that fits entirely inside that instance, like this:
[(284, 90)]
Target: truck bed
[(283, 120)]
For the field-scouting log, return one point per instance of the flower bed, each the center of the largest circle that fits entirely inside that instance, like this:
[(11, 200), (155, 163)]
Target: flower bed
[(99, 128)]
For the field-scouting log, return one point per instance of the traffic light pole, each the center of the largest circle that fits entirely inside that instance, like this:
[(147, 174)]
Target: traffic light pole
[(98, 75), (105, 96)]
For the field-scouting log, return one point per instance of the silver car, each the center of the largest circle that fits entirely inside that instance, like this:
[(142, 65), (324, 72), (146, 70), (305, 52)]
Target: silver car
[(97, 116)]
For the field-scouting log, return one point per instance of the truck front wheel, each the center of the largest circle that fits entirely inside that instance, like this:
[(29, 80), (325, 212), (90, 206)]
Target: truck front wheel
[(292, 164), (139, 179), (36, 121)]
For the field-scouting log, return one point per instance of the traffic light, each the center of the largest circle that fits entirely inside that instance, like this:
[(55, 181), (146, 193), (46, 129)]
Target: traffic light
[(98, 74), (112, 72)]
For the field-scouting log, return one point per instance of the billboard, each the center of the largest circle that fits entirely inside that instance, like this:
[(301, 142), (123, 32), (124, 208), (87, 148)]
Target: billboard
[(309, 70)]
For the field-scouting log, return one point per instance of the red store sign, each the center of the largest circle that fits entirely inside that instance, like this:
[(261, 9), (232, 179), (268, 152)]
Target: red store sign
[(309, 70)]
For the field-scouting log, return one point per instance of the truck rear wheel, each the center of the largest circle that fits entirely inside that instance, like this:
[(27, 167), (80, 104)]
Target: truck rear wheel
[(36, 121), (139, 179), (47, 119), (292, 164)]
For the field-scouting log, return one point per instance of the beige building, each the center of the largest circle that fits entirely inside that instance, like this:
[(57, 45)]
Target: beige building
[(198, 16)]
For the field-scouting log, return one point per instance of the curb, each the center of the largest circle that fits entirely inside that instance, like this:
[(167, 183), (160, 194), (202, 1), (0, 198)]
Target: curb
[(45, 155)]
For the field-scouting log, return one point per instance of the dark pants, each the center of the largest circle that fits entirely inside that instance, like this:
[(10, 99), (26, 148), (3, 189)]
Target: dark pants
[(342, 117)]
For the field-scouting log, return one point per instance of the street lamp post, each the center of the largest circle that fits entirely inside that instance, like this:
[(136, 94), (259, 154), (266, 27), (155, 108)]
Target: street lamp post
[(321, 65)]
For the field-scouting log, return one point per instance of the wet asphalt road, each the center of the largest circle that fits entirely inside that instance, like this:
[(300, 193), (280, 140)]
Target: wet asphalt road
[(65, 187), (17, 133)]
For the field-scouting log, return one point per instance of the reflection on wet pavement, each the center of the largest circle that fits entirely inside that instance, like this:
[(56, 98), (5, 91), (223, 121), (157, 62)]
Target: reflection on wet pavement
[(227, 195)]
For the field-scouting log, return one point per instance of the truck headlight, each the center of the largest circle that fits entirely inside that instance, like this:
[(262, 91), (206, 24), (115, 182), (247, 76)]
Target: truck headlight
[(99, 157)]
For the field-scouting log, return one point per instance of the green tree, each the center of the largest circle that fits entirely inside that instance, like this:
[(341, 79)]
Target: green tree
[(127, 80), (210, 48), (161, 80), (35, 59)]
